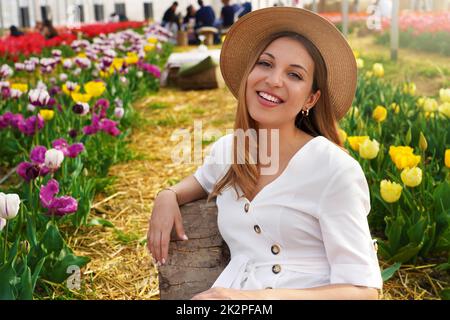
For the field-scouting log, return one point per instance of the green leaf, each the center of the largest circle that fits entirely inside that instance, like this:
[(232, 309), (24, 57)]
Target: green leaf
[(441, 196), (36, 273), (59, 272), (26, 292), (407, 252), (394, 229), (445, 294), (416, 232), (100, 222), (31, 233), (387, 273), (52, 240), (7, 274)]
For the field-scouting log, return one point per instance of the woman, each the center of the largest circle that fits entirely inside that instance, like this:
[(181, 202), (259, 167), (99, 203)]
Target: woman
[(48, 30), (296, 227)]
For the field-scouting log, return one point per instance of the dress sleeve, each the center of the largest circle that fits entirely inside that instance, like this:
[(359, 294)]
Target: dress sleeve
[(343, 211), (215, 165)]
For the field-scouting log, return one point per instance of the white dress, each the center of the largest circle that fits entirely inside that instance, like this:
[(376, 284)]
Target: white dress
[(306, 228)]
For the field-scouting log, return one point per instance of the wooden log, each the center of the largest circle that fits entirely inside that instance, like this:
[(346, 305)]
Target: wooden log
[(195, 264)]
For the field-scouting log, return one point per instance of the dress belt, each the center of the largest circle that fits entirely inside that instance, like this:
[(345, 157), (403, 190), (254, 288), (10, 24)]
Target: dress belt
[(241, 268)]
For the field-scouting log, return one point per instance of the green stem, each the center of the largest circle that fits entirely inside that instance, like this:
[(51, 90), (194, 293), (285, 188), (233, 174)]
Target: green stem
[(6, 243)]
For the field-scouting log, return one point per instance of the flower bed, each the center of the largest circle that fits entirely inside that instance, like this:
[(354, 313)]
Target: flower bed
[(63, 122), (403, 144), (426, 32)]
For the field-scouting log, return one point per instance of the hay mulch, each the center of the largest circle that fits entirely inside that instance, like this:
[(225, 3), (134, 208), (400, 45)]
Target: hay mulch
[(121, 267)]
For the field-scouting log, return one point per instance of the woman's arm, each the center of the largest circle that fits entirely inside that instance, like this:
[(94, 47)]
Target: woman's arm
[(328, 292), (166, 213), (187, 190)]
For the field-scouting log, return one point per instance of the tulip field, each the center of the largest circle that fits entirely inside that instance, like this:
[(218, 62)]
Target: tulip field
[(85, 144)]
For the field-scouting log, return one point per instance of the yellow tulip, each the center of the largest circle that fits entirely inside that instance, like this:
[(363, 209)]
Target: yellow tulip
[(342, 135), (359, 63), (81, 97), (378, 70), (421, 101), (390, 191), (444, 109), (132, 58), (95, 88), (67, 91), (430, 105), (403, 157), (82, 55), (117, 63), (152, 40), (411, 177), (46, 114), (369, 74), (409, 88), (368, 149), (149, 47), (379, 114), (356, 54), (395, 107), (22, 87), (355, 141), (444, 95), (106, 74), (447, 158)]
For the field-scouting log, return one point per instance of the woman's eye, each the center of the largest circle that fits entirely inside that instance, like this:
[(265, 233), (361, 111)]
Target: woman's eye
[(264, 63), (296, 76)]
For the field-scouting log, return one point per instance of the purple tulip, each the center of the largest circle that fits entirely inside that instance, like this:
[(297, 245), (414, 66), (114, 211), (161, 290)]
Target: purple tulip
[(56, 206), (39, 97), (69, 151), (73, 133), (30, 171), (31, 124)]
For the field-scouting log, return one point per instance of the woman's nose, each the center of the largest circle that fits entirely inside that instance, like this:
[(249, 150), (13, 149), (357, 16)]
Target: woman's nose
[(274, 79)]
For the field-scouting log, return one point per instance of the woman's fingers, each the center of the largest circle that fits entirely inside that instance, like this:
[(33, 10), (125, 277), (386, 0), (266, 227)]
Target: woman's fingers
[(165, 238)]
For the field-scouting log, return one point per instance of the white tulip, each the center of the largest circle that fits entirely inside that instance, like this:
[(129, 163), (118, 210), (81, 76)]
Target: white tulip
[(53, 158), (9, 205), (2, 223), (119, 112)]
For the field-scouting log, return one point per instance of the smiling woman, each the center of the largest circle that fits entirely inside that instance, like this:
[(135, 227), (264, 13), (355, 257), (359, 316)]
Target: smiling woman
[(300, 231)]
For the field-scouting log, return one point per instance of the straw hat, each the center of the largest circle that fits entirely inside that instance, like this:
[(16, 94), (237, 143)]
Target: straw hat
[(245, 35)]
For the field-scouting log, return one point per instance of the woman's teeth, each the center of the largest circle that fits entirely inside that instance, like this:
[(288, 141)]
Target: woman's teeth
[(268, 97)]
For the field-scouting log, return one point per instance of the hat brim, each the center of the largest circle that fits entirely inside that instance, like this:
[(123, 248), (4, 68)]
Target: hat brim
[(245, 35)]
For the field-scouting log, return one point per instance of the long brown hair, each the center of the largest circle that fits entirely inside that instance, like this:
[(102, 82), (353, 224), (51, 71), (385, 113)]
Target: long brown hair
[(320, 121)]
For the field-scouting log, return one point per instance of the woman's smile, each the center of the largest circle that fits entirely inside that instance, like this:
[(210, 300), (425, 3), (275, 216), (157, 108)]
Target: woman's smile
[(268, 100)]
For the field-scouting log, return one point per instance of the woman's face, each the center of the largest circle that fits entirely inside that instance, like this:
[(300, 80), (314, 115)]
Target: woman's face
[(280, 84)]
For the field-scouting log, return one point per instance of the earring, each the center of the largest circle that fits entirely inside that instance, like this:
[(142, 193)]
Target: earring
[(305, 113)]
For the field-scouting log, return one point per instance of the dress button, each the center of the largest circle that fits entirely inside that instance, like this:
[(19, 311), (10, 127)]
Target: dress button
[(276, 268), (257, 228), (275, 249), (246, 207)]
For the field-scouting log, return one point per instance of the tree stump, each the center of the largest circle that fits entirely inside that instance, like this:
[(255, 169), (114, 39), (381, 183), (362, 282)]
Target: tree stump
[(195, 264)]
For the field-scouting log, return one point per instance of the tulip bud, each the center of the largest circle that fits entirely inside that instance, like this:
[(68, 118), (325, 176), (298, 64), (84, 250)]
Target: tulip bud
[(53, 158), (423, 144), (408, 137), (9, 205)]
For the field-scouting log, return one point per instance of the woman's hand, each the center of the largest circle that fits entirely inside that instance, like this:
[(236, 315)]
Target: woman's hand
[(165, 214), (219, 293)]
